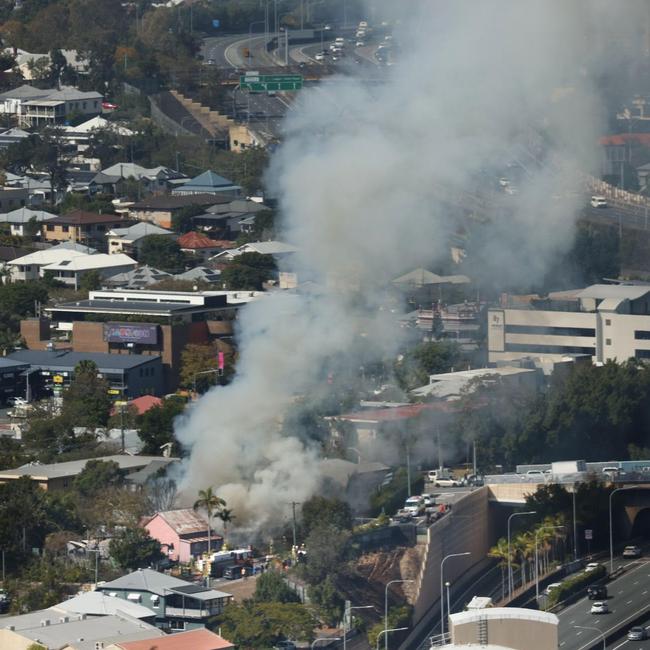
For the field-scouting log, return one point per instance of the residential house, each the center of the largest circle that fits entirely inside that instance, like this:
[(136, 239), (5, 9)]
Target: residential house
[(161, 209), (12, 136), (200, 274), (9, 254), (200, 639), (12, 101), (198, 245), (58, 105), (55, 629), (139, 278), (208, 183), (99, 603), (81, 226), (229, 219), (30, 266), (129, 240), (25, 60), (80, 134), (277, 249), (19, 218), (183, 534), (179, 605), (151, 181), (60, 476), (71, 272), (12, 198)]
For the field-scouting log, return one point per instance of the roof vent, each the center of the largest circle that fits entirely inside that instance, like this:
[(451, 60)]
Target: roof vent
[(64, 619), (45, 622)]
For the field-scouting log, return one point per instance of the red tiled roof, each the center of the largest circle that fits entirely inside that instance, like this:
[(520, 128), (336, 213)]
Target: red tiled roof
[(196, 240), (624, 138), (201, 639), (144, 403), (81, 217)]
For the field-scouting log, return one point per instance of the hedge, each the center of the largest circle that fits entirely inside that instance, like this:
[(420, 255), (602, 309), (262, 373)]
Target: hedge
[(575, 584)]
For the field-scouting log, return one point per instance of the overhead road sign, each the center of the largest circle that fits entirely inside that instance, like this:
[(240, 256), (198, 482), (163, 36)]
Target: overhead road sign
[(256, 82)]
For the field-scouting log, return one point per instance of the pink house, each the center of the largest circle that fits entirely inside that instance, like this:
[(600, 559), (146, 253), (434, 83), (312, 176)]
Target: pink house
[(183, 534)]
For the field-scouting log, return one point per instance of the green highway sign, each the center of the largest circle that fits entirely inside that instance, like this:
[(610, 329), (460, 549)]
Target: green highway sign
[(256, 82)]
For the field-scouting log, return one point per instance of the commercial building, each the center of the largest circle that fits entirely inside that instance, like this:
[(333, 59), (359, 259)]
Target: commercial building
[(127, 375), (12, 374), (138, 322), (504, 627), (179, 605), (59, 476), (604, 321)]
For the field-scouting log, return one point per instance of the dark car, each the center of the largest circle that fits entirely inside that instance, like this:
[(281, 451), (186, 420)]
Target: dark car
[(637, 633), (237, 571), (596, 592)]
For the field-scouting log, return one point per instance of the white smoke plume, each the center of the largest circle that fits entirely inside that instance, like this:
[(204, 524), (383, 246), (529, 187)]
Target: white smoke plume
[(369, 180)]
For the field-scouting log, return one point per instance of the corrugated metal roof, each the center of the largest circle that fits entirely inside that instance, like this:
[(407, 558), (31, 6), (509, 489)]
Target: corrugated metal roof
[(185, 521)]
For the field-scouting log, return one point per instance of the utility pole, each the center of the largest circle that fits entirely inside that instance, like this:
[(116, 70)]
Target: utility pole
[(474, 457), (408, 467), (122, 425), (293, 508)]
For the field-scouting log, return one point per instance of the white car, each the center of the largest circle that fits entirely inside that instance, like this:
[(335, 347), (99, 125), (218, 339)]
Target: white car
[(414, 505), (446, 482), (363, 25), (598, 202), (429, 500), (551, 587), (360, 43), (319, 56), (600, 607), (592, 566)]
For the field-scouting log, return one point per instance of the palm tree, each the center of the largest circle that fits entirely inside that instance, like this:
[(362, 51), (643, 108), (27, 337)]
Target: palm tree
[(500, 551), (213, 504), (226, 516)]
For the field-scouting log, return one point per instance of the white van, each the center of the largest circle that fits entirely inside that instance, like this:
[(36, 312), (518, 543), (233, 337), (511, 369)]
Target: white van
[(598, 202)]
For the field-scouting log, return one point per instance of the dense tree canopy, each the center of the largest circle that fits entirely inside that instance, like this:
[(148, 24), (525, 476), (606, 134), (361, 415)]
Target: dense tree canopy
[(157, 425), (161, 252), (134, 548)]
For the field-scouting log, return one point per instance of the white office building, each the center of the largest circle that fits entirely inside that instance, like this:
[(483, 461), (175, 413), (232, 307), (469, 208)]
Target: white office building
[(607, 322)]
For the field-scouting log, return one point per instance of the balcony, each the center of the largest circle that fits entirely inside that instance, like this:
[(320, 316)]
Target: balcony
[(193, 612)]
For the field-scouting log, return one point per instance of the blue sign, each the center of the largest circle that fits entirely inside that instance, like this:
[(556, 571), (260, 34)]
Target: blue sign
[(216, 24)]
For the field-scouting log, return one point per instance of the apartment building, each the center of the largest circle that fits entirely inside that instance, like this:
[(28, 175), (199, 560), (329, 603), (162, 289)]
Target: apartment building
[(604, 321)]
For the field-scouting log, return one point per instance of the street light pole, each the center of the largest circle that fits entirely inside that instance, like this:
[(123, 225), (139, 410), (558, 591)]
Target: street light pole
[(385, 633), (448, 584), (595, 629), (537, 532), (575, 526), (250, 36), (611, 532), (388, 584), (442, 593), (514, 514), (348, 615), (203, 372)]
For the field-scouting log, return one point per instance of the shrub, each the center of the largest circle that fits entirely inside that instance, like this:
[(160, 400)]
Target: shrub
[(574, 584)]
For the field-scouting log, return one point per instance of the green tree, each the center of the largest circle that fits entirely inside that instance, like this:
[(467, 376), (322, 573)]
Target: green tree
[(134, 548), (327, 599), (198, 358), (397, 617), (97, 476), (226, 517), (212, 504), (244, 278), (321, 511), (162, 253), (182, 219), (327, 552), (254, 625), (91, 280), (272, 588), (156, 425), (426, 359), (86, 401)]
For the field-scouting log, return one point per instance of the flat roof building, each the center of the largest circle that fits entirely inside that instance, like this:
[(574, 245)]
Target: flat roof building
[(603, 321)]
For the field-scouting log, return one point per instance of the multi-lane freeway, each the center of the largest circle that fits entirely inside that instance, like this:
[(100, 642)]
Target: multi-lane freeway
[(629, 599)]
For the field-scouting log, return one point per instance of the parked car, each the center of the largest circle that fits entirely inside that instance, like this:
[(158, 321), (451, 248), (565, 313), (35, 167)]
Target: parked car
[(600, 607), (414, 505), (637, 633), (632, 551), (592, 566), (429, 500), (596, 592), (598, 202)]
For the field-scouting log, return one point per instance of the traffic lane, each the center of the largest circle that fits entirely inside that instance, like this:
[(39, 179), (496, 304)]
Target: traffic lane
[(234, 53), (214, 48), (628, 599)]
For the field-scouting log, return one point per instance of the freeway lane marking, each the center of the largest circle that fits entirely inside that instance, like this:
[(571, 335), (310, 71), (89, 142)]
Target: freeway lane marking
[(620, 592), (629, 602), (635, 583), (617, 625), (561, 644), (572, 622), (643, 593), (579, 632), (620, 645)]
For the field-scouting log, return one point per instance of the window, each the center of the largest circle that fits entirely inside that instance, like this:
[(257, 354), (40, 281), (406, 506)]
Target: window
[(553, 331), (642, 354), (49, 228), (549, 349), (84, 104), (608, 341), (134, 597), (65, 228), (608, 321), (642, 335)]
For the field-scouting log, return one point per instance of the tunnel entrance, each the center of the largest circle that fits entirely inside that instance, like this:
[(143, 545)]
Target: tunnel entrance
[(641, 526)]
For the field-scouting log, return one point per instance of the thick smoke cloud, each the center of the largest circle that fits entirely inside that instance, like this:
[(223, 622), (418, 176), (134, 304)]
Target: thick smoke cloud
[(369, 179)]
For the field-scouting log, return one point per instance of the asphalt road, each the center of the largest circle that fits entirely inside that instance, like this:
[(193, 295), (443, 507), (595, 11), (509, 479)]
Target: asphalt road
[(628, 599)]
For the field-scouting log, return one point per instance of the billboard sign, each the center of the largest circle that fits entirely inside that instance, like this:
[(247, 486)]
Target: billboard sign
[(130, 333)]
